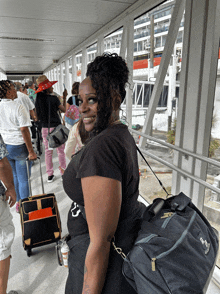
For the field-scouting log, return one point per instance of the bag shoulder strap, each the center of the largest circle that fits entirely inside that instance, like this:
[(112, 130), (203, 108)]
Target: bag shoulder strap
[(152, 171), (49, 119), (74, 100)]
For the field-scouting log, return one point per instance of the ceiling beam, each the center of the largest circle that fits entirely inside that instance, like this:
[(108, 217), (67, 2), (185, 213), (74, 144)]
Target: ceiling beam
[(138, 8)]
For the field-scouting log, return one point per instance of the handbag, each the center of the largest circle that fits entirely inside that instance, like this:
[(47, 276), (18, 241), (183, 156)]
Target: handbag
[(175, 251), (58, 136), (72, 113)]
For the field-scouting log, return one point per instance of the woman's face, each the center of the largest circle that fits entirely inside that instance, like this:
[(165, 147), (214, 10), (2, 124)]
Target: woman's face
[(50, 90), (88, 103)]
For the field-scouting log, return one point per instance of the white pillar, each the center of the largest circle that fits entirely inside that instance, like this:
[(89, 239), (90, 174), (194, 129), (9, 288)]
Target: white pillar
[(123, 47), (84, 64), (67, 76), (100, 45), (130, 59), (197, 88), (56, 78), (61, 80), (74, 70), (172, 83)]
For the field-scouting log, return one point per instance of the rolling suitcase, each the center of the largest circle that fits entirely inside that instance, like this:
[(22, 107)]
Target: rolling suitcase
[(40, 219)]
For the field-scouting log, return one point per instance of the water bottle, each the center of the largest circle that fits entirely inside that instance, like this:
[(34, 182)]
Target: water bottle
[(65, 253)]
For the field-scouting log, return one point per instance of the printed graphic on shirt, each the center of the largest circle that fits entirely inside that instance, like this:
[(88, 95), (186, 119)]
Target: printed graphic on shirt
[(75, 211)]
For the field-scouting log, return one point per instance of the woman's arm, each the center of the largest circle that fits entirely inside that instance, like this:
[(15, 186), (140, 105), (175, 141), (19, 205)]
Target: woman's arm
[(102, 197), (67, 106), (71, 143), (62, 108), (33, 114)]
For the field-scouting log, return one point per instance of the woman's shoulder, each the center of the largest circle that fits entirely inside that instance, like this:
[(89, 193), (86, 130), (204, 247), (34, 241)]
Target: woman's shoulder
[(109, 140)]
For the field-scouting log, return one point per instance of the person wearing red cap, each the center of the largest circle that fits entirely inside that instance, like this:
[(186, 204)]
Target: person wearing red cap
[(45, 103)]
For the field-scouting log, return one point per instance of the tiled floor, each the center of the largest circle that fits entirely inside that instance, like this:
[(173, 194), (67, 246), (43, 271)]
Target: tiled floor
[(40, 273)]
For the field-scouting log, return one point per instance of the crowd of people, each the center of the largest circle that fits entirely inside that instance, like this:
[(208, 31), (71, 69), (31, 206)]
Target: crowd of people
[(101, 179)]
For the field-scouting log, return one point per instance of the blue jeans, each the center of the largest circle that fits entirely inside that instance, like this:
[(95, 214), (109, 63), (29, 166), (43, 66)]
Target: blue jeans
[(17, 158)]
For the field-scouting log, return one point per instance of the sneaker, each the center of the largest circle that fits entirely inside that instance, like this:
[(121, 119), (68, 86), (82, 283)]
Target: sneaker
[(12, 292), (17, 207), (51, 178)]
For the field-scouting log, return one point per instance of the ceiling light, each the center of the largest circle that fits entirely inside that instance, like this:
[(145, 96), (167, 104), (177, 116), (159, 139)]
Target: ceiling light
[(27, 39)]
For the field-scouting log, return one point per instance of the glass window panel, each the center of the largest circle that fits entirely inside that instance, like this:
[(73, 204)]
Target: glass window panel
[(158, 42), (112, 42), (140, 46), (135, 47)]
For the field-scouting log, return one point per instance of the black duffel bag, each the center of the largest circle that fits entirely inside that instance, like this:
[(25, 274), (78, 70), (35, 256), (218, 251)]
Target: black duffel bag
[(175, 251)]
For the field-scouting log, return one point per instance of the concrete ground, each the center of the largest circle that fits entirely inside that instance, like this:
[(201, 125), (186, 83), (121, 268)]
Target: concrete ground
[(40, 273)]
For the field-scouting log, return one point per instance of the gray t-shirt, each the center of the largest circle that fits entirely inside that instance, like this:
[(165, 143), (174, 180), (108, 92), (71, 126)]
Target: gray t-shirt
[(3, 153)]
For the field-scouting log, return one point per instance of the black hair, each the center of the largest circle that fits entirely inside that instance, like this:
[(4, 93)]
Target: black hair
[(109, 76), (5, 85), (75, 88), (41, 105), (84, 135)]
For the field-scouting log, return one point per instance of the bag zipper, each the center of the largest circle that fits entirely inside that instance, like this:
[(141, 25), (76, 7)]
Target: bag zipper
[(168, 218), (153, 260), (147, 239)]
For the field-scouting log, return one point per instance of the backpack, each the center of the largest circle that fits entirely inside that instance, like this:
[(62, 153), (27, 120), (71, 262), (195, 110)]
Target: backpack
[(72, 114), (175, 251)]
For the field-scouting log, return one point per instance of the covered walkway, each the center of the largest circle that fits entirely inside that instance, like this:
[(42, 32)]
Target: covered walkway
[(59, 38)]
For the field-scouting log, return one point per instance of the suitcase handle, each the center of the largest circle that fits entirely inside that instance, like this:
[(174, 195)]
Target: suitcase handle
[(41, 177)]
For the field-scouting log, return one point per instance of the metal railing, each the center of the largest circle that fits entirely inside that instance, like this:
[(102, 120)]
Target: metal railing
[(184, 152)]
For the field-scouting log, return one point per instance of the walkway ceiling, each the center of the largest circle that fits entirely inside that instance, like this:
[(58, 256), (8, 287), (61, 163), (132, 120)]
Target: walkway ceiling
[(33, 34)]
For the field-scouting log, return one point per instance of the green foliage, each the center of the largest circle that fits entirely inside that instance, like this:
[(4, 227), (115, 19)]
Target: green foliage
[(171, 136), (214, 144)]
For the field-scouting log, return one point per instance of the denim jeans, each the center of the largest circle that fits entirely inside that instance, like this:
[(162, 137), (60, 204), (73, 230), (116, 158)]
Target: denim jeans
[(17, 158)]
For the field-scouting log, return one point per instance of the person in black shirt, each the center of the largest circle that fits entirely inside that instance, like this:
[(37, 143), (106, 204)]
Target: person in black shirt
[(103, 177), (45, 103)]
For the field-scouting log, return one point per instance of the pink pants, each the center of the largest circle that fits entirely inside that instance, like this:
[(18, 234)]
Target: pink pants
[(49, 154)]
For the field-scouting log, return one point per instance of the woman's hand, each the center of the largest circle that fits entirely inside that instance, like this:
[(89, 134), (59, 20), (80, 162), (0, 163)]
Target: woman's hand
[(10, 196), (32, 156), (102, 197), (65, 93)]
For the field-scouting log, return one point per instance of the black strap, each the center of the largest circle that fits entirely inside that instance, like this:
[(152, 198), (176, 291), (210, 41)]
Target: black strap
[(152, 171), (49, 118), (82, 209), (64, 134)]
